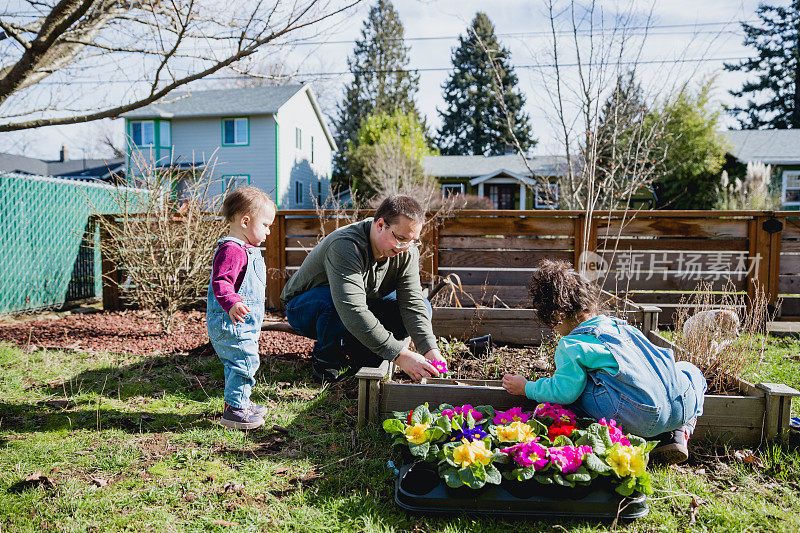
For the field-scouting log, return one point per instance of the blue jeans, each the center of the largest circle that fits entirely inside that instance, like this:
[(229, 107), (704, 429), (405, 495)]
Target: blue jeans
[(313, 315)]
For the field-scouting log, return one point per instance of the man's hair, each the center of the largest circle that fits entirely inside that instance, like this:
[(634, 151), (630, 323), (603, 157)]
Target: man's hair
[(559, 292), (245, 200), (397, 205)]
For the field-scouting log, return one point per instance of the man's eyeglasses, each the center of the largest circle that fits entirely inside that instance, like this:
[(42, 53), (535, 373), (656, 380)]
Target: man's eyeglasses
[(404, 243)]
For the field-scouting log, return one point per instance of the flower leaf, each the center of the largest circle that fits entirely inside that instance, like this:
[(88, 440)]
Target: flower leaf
[(580, 476), (393, 426), (444, 423), (452, 478), (420, 450), (627, 486), (635, 440), (493, 475), (594, 463), (443, 406), (543, 479)]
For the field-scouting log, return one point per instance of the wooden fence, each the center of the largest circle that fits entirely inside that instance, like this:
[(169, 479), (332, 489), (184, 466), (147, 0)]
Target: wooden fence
[(653, 257)]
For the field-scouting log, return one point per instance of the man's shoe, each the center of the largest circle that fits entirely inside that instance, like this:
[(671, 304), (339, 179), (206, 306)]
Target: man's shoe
[(258, 409), (240, 418), (324, 373), (672, 447)]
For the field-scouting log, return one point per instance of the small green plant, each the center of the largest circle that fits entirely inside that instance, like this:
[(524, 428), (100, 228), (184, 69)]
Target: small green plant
[(451, 348)]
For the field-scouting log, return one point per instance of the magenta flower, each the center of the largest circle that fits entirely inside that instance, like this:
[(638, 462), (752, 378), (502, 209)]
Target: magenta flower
[(557, 412), (616, 432), (568, 458), (514, 414), (464, 410), (440, 366), (528, 454)]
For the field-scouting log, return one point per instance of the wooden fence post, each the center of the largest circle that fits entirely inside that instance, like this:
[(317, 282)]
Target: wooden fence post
[(110, 274), (431, 245), (764, 235), (275, 257)]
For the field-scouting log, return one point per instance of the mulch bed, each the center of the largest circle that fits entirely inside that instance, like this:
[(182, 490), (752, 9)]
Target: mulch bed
[(135, 332)]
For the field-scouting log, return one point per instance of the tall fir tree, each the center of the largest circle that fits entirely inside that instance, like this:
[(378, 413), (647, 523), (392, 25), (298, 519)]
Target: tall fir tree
[(773, 98), (474, 121), (381, 82)]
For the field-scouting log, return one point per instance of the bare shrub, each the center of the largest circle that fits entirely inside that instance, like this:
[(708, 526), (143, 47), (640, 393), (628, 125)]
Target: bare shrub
[(163, 239), (723, 366)]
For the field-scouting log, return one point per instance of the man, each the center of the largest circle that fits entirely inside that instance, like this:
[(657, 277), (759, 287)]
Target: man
[(358, 294)]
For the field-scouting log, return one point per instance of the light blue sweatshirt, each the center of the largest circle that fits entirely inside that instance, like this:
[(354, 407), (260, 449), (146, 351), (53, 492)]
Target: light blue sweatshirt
[(576, 356)]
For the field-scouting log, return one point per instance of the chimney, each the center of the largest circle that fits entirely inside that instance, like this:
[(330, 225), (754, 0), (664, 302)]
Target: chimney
[(63, 156)]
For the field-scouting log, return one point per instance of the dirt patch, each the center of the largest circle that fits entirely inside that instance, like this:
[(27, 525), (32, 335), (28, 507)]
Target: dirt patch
[(135, 332)]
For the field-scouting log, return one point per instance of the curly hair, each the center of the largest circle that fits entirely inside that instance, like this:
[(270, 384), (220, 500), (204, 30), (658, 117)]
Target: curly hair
[(558, 292)]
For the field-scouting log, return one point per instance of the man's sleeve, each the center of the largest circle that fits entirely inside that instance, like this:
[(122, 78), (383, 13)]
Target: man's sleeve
[(343, 265), (413, 310)]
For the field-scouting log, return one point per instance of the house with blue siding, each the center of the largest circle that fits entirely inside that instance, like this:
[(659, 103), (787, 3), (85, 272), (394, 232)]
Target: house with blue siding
[(778, 148), (274, 138)]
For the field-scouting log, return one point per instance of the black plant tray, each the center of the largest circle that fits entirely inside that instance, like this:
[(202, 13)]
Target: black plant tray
[(419, 489)]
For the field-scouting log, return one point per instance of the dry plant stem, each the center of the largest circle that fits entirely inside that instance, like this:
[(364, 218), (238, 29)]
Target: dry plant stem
[(162, 240), (723, 367)]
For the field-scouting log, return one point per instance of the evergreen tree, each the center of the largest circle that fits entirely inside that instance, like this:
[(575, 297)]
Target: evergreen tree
[(381, 83), (774, 96), (474, 121)]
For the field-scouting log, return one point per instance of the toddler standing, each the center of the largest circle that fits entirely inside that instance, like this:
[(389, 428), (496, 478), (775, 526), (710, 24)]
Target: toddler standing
[(606, 368), (236, 301)]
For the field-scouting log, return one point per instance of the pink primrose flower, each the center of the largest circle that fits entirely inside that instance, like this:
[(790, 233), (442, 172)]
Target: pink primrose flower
[(463, 411), (616, 432), (568, 458), (440, 366), (528, 454), (555, 411), (514, 414)]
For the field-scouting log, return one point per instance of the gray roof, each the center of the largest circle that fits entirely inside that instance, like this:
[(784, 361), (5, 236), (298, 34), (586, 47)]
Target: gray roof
[(219, 103), (73, 168), (472, 166), (768, 146)]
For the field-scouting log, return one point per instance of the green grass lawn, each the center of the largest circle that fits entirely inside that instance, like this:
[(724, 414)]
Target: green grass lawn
[(132, 443)]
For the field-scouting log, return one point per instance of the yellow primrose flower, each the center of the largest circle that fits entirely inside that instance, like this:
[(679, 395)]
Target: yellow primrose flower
[(471, 452), (516, 432), (416, 433), (627, 460)]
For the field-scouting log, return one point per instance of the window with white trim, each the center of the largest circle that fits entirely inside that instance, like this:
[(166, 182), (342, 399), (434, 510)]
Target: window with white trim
[(546, 196), (791, 187), (143, 133), (451, 189), (230, 182), (298, 192), (164, 134), (298, 139), (235, 131)]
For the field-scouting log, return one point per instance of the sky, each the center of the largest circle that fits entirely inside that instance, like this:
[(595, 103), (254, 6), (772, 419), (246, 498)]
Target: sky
[(689, 30)]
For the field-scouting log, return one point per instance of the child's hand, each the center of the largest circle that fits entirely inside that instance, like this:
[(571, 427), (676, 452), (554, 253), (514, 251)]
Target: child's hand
[(514, 384), (238, 312)]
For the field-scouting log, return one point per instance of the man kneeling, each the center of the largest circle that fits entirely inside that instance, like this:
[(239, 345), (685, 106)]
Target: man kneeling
[(358, 294)]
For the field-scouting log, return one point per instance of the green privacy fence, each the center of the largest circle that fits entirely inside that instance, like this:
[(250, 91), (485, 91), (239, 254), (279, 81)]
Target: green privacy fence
[(49, 240)]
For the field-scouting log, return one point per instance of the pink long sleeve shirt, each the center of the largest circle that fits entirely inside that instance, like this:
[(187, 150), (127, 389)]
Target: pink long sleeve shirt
[(227, 273)]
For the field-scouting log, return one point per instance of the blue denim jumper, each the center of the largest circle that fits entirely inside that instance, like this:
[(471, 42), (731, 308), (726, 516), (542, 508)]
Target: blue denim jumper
[(651, 393), (237, 344)]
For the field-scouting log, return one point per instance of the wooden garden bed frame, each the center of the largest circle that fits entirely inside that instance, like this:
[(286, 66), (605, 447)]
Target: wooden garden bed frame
[(760, 412)]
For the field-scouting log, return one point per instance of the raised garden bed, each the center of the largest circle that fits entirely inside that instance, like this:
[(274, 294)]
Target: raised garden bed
[(757, 413)]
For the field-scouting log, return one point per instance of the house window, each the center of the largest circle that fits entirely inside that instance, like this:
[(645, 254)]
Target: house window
[(229, 182), (143, 133), (164, 134), (451, 189), (312, 149), (546, 196), (235, 131), (298, 139), (791, 187), (319, 189), (298, 192)]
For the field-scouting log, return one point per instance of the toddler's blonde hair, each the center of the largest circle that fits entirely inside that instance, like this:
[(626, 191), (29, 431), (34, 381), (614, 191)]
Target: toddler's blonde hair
[(245, 200)]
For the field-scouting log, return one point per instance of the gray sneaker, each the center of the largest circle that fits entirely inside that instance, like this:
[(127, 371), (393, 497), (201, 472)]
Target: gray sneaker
[(258, 409), (240, 418)]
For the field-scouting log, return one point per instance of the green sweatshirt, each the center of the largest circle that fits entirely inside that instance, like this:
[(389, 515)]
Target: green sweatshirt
[(344, 260), (576, 356)]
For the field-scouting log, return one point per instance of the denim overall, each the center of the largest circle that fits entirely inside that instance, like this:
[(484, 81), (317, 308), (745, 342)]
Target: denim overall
[(237, 344), (651, 393)]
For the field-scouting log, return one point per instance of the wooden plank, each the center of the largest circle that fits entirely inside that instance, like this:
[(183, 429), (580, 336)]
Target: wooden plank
[(295, 257), (790, 264), (719, 261), (363, 393), (372, 372), (674, 282), (733, 410), (373, 402), (790, 307), (474, 276), (511, 295), (506, 226), (311, 226), (406, 396), (510, 331), (684, 227), (306, 243), (790, 246), (506, 242), (749, 436), (275, 258), (671, 243), (502, 259), (788, 284)]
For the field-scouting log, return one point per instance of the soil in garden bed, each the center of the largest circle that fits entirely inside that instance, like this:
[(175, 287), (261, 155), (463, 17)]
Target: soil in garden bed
[(133, 332)]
